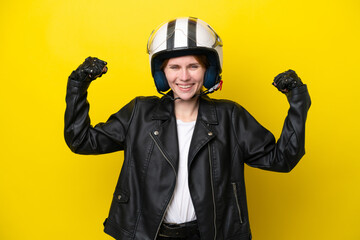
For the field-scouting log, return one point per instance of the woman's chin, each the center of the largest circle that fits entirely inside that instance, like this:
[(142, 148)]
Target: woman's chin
[(187, 96)]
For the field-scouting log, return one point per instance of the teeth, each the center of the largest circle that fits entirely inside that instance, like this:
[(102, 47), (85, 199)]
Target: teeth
[(184, 87)]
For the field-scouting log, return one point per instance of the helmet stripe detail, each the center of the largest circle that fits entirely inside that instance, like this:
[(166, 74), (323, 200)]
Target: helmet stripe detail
[(181, 33), (192, 32), (170, 31)]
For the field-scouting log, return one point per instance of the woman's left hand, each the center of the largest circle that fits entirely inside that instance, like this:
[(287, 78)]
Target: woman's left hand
[(287, 81)]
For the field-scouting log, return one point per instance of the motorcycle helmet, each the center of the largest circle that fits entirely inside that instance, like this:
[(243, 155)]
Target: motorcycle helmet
[(180, 37)]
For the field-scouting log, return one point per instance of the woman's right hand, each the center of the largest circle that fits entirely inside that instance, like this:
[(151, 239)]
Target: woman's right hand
[(89, 70)]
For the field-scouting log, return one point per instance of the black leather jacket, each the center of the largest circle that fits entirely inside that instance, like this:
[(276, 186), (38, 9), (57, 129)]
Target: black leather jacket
[(225, 137)]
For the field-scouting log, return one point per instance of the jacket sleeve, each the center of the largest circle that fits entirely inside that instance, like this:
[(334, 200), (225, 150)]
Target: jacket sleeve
[(81, 136), (258, 145)]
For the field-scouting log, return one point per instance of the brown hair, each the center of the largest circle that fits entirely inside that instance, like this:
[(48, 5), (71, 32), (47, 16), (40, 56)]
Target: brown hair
[(202, 59)]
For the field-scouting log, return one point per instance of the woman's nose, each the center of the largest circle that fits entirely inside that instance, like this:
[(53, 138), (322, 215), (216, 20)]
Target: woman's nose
[(184, 75)]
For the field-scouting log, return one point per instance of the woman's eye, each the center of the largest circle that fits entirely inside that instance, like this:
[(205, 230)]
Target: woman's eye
[(194, 66), (174, 67)]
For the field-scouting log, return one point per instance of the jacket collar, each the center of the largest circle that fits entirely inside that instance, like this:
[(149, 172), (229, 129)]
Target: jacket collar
[(207, 110)]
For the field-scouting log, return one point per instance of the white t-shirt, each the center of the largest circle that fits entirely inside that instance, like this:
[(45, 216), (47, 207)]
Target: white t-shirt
[(181, 208)]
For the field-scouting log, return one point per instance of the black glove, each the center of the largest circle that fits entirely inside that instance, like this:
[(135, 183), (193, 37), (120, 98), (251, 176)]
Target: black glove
[(89, 70), (287, 81)]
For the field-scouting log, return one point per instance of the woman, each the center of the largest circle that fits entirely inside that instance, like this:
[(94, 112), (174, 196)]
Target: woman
[(183, 171)]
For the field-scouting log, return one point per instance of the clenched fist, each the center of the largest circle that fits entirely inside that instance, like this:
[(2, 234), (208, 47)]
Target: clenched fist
[(287, 81), (89, 70)]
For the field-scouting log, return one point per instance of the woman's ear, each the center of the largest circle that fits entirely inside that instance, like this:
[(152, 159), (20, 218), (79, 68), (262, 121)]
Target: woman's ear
[(211, 76), (161, 82)]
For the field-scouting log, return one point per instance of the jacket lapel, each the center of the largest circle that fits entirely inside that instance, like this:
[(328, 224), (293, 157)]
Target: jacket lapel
[(165, 134), (203, 132)]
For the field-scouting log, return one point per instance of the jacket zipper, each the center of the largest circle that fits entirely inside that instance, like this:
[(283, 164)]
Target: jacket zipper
[(212, 190), (163, 216), (237, 201)]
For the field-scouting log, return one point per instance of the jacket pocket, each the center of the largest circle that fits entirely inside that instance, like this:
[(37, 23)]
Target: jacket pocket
[(123, 213), (121, 196), (237, 201)]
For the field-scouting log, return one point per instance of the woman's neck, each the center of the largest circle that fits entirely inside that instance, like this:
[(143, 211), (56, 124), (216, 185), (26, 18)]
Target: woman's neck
[(187, 111)]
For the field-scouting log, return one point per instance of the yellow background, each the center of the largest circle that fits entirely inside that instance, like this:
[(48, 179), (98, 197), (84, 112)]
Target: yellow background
[(47, 192)]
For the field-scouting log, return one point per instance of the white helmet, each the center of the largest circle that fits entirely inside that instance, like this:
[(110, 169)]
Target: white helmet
[(180, 37)]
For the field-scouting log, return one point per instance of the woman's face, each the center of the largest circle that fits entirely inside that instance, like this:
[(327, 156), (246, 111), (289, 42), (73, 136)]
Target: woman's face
[(185, 76)]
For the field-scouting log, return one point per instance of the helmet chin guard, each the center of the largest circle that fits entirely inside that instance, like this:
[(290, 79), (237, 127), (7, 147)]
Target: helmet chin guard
[(181, 37)]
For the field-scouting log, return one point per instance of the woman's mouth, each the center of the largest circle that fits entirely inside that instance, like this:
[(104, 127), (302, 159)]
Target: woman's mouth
[(187, 86)]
